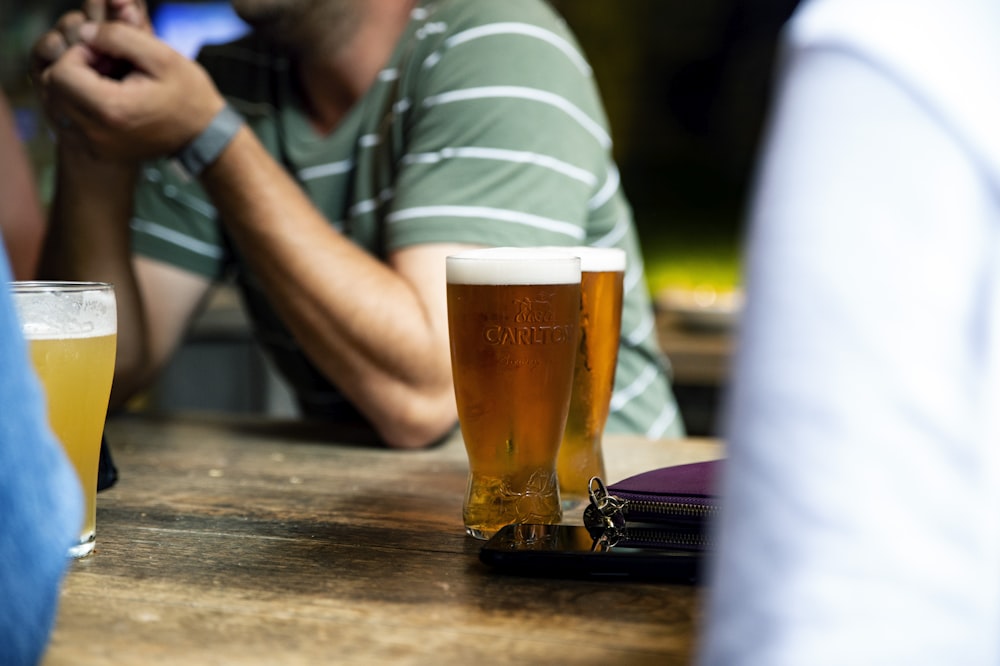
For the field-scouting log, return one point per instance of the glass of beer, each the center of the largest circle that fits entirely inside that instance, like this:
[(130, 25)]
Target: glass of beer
[(580, 455), (71, 329), (513, 318)]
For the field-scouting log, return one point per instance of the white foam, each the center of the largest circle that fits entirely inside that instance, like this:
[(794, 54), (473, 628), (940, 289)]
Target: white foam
[(513, 265), (78, 311), (598, 259)]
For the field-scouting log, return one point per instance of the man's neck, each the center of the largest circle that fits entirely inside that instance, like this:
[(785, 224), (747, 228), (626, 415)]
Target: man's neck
[(335, 77)]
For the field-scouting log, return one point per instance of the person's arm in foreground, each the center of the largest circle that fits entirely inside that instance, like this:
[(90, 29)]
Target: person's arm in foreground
[(40, 501), (379, 329), (22, 224), (861, 493)]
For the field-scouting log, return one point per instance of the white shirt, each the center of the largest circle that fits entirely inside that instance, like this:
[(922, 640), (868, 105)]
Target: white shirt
[(862, 495)]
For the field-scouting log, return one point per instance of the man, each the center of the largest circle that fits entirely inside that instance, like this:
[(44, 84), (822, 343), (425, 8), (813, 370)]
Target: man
[(380, 136)]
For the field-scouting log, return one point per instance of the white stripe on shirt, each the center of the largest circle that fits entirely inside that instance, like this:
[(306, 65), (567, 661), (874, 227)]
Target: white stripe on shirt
[(642, 331), (632, 277), (511, 28), (558, 226), (371, 205), (533, 94), (607, 190), (177, 238), (194, 203), (663, 421), (518, 156), (621, 398), (324, 170)]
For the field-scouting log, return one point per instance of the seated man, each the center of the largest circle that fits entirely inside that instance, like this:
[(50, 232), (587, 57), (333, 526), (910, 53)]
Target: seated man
[(332, 159)]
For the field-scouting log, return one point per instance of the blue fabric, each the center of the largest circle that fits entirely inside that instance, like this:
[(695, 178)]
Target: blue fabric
[(40, 500)]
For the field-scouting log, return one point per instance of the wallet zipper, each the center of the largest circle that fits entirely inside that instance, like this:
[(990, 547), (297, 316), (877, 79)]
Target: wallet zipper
[(656, 536), (625, 520), (658, 509), (642, 528)]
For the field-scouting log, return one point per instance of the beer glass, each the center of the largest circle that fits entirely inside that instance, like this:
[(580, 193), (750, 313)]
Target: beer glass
[(71, 329), (580, 455), (513, 316)]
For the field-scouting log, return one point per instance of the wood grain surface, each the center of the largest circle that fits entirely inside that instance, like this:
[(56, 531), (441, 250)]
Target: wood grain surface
[(240, 541)]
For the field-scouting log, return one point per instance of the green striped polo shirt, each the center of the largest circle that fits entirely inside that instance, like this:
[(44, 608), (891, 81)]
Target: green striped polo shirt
[(485, 127)]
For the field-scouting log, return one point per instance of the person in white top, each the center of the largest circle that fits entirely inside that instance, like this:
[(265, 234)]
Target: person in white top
[(861, 496)]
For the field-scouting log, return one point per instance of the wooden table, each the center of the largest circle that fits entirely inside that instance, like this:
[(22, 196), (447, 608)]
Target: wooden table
[(242, 541), (699, 356)]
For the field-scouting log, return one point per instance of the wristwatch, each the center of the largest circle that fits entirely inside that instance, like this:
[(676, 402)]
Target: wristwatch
[(205, 148)]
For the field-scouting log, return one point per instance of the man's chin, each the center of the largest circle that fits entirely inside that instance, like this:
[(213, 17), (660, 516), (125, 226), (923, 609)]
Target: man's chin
[(298, 24)]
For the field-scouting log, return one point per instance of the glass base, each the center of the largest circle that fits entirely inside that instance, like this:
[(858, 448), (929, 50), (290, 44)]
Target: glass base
[(477, 534), (84, 547)]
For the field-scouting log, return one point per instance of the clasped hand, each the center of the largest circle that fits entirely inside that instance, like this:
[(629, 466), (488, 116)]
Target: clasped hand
[(112, 89)]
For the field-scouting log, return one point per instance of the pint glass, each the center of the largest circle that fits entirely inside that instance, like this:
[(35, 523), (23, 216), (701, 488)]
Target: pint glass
[(513, 316), (581, 456), (71, 328)]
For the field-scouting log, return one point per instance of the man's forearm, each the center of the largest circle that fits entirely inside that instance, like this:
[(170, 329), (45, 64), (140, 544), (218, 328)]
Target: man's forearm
[(378, 333), (88, 239)]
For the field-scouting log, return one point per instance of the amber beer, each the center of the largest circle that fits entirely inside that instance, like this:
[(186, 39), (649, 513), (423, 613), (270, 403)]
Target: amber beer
[(581, 455), (71, 328), (513, 316)]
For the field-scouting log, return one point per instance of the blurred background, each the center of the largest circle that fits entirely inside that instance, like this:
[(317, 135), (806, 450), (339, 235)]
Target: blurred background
[(686, 86)]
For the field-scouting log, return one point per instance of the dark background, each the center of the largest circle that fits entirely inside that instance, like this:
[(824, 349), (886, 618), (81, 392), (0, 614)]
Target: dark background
[(686, 85)]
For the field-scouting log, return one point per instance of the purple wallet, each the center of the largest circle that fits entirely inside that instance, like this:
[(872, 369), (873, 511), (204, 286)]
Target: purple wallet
[(668, 507)]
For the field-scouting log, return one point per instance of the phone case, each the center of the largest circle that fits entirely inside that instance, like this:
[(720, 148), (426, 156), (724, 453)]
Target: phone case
[(668, 507), (569, 551)]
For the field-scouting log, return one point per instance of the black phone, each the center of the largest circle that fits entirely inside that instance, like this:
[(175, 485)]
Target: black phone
[(571, 551)]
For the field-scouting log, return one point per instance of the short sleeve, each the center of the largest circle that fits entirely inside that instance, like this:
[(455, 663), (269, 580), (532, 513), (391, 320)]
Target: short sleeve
[(174, 221), (505, 137)]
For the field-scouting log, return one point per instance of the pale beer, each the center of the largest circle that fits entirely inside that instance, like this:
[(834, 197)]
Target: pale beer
[(581, 454), (71, 330), (513, 316)]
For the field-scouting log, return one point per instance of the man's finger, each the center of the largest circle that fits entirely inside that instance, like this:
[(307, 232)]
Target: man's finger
[(132, 12), (69, 26), (75, 87), (96, 10), (128, 43), (48, 49)]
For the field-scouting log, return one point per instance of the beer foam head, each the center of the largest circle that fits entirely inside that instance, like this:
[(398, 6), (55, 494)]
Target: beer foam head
[(513, 265), (598, 259), (50, 310)]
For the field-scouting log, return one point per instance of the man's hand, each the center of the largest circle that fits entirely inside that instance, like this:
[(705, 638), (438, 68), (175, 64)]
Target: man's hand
[(54, 43), (65, 33), (160, 104)]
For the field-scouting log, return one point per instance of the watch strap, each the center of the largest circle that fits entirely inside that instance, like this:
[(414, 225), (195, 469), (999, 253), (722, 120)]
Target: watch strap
[(205, 148)]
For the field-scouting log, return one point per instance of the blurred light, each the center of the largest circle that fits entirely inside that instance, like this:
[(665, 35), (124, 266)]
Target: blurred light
[(187, 26)]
